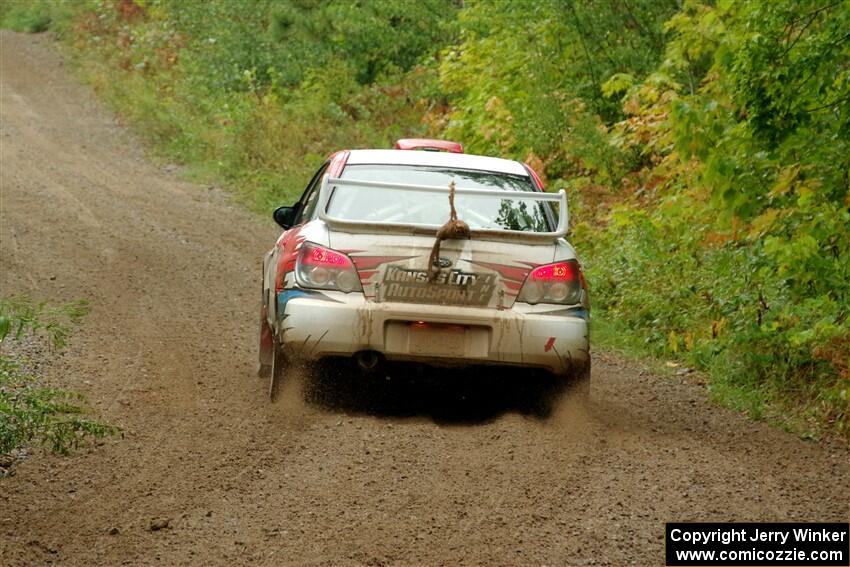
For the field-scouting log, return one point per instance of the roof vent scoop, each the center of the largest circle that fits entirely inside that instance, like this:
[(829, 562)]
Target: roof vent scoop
[(428, 145)]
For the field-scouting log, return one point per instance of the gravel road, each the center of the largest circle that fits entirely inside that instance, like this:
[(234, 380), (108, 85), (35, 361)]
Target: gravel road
[(437, 470)]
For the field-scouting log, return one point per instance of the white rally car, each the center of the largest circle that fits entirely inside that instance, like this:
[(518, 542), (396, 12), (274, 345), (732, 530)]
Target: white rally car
[(356, 272)]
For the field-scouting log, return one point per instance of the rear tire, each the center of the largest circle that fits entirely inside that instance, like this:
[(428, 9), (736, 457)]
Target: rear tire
[(277, 370), (266, 343)]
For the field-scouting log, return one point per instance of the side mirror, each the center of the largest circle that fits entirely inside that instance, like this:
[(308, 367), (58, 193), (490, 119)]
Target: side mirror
[(284, 216)]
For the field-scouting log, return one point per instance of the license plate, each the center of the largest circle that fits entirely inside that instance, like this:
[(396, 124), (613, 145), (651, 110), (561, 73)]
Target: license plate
[(437, 340)]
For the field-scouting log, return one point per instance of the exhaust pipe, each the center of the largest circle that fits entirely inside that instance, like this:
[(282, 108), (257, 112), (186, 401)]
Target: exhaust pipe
[(368, 360)]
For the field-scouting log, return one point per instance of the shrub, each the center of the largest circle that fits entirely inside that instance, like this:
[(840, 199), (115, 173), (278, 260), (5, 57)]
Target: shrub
[(30, 412)]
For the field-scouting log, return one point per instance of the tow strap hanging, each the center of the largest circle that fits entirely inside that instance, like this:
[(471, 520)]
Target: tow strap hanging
[(454, 229)]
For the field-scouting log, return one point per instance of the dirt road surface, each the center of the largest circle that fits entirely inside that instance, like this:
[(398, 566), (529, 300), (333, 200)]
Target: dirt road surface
[(435, 471)]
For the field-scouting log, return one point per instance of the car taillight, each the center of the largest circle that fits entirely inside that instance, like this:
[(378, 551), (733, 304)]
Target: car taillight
[(561, 282), (322, 268)]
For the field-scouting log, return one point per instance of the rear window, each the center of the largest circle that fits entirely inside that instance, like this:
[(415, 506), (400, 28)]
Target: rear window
[(374, 204)]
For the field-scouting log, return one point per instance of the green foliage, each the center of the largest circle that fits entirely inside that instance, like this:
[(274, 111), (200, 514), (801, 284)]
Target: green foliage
[(257, 93), (742, 262), (20, 315), (31, 413), (374, 39), (536, 78), (791, 73), (32, 17)]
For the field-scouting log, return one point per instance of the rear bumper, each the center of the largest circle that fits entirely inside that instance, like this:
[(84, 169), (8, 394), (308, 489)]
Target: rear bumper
[(314, 325)]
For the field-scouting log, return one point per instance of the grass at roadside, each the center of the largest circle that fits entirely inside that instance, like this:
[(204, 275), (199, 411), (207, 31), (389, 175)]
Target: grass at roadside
[(31, 412), (32, 17), (184, 77)]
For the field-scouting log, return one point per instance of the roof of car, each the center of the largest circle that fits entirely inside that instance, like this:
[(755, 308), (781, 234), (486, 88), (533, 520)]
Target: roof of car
[(436, 159)]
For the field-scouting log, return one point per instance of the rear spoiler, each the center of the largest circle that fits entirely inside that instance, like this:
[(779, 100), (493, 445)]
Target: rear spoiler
[(356, 226)]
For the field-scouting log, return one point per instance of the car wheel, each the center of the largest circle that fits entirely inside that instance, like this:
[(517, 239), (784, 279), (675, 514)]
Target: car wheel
[(266, 344), (277, 371)]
